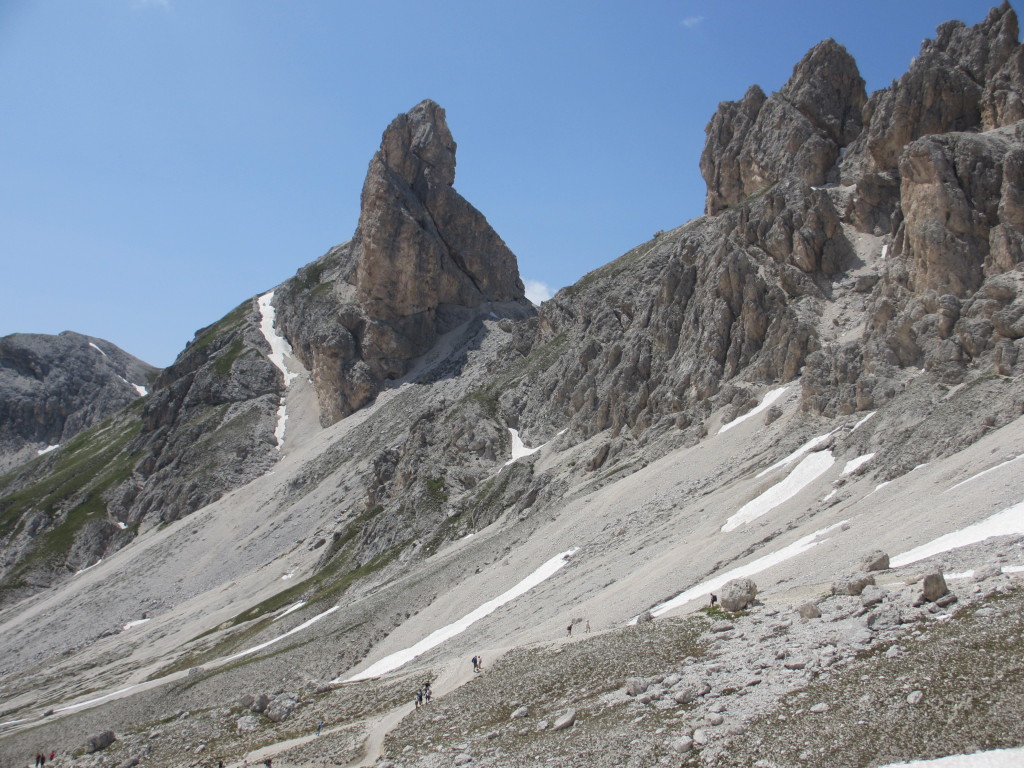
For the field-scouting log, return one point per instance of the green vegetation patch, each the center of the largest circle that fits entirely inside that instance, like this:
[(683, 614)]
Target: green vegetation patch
[(231, 321)]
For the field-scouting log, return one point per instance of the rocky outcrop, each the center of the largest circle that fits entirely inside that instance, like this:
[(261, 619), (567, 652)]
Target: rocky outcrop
[(799, 131), (53, 387), (423, 261)]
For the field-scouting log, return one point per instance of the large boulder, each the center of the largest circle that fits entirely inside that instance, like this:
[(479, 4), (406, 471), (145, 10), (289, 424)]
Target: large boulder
[(737, 595), (100, 741)]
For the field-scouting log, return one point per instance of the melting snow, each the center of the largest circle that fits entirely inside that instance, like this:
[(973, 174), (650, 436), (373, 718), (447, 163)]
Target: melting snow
[(90, 702), (754, 566), (47, 449), (98, 349), (518, 449), (287, 576), (135, 623), (291, 608), (862, 422), (811, 444), (769, 398), (854, 464), (279, 349), (996, 758), (1008, 522), (121, 525), (885, 251), (803, 474), (985, 472), (290, 632), (435, 638)]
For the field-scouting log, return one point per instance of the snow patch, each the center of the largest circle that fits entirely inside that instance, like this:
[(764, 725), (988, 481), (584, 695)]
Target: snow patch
[(769, 398), (47, 449), (291, 608), (862, 422), (749, 569), (98, 349), (810, 445), (519, 450), (854, 464), (123, 526), (1006, 523), (135, 623), (985, 472), (435, 638), (279, 349), (885, 251), (803, 474), (995, 758), (290, 632), (286, 576)]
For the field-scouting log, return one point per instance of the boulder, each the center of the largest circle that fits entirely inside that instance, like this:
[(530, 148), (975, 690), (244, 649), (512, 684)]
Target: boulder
[(281, 707), (247, 723), (565, 720), (875, 560), (259, 703), (100, 741), (635, 686), (520, 713), (809, 611), (852, 585), (933, 586), (737, 595)]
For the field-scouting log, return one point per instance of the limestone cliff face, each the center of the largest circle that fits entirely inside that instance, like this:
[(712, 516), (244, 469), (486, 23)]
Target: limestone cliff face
[(422, 261), (53, 387), (798, 131)]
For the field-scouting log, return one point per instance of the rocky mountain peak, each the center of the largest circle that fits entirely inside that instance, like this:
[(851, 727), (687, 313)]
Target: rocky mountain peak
[(422, 246), (798, 131), (827, 88)]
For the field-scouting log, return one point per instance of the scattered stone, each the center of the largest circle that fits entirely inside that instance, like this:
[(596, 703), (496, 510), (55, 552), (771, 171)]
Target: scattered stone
[(809, 611), (852, 585), (715, 719), (565, 721), (522, 712), (820, 707), (700, 736), (871, 596), (463, 760), (645, 617), (876, 560), (259, 703), (682, 745), (635, 686), (247, 723), (915, 697), (933, 586)]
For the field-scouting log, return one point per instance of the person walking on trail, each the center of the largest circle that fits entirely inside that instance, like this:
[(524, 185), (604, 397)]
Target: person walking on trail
[(419, 698), (714, 598), (319, 727), (427, 692), (587, 628), (479, 663), (568, 630), (475, 667)]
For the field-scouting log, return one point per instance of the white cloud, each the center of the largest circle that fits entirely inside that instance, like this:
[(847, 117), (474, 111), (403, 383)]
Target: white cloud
[(536, 291), (692, 21)]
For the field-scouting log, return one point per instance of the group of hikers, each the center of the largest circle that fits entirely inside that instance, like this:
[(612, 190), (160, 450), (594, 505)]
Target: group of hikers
[(568, 629), (41, 758), (423, 695), (478, 663)]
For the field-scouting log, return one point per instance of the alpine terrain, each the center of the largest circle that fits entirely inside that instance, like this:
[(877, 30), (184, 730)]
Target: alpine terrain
[(748, 495)]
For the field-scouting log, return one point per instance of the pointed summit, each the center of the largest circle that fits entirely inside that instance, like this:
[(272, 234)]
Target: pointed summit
[(425, 253)]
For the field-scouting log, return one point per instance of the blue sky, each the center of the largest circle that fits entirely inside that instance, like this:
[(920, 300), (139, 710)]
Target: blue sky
[(162, 160)]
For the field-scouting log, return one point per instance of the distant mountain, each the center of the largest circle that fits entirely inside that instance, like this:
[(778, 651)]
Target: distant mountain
[(53, 387)]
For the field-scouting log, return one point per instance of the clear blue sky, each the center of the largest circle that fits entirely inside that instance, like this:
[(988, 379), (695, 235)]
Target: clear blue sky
[(162, 160)]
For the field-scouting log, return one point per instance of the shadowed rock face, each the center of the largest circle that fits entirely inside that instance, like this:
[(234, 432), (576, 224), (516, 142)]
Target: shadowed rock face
[(53, 387)]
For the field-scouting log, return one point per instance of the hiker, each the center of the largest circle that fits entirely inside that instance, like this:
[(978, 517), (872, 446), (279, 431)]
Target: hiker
[(319, 727), (568, 630), (475, 667), (714, 598), (479, 663), (419, 698), (267, 762), (426, 692), (587, 628), (52, 755)]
